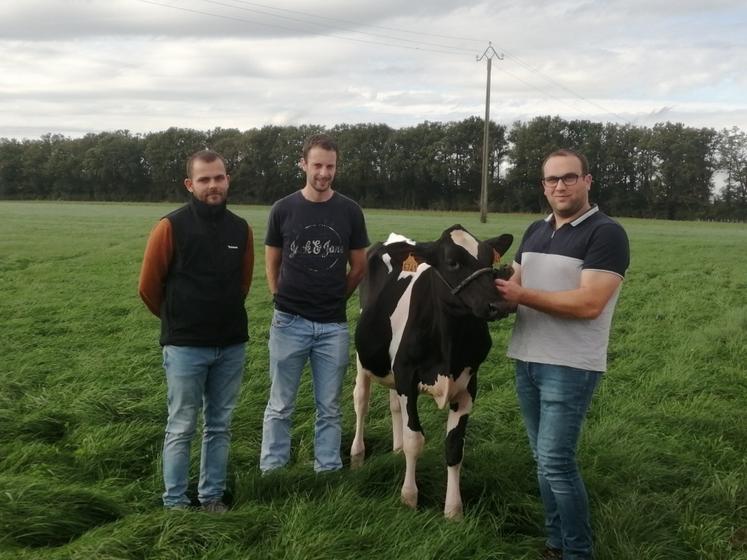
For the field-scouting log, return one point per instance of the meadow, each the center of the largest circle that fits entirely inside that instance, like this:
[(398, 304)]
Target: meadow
[(82, 410)]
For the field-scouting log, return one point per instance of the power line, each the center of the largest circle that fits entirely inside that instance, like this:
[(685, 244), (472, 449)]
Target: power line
[(547, 95), (357, 23), (339, 28), (416, 45), (327, 19), (563, 87), (296, 30)]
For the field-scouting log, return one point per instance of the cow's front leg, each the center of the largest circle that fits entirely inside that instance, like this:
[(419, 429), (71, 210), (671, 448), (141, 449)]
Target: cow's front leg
[(413, 441), (456, 427), (395, 408), (361, 398)]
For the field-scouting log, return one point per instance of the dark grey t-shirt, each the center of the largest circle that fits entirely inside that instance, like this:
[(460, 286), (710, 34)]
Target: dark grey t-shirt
[(316, 239)]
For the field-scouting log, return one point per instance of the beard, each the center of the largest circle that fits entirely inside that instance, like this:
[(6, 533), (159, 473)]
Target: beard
[(214, 198), (321, 185)]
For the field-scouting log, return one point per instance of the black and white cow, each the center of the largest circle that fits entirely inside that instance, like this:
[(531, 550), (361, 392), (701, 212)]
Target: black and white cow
[(423, 329)]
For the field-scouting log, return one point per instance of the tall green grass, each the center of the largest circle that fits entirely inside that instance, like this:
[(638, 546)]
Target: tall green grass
[(82, 410)]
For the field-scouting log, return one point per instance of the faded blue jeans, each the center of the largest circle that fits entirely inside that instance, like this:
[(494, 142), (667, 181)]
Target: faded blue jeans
[(293, 341), (207, 378), (554, 401)]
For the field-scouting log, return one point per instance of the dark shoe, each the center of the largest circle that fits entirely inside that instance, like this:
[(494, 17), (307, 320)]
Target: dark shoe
[(214, 507), (551, 553)]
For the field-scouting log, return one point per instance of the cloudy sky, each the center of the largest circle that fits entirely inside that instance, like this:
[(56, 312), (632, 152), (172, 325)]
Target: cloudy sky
[(79, 66)]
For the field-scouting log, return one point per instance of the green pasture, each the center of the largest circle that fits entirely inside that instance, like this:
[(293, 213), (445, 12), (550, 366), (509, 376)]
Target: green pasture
[(82, 410)]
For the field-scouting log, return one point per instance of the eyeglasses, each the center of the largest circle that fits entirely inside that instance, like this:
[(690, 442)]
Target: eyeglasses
[(569, 179)]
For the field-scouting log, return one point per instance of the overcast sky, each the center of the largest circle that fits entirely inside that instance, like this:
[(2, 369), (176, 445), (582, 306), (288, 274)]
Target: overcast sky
[(79, 66)]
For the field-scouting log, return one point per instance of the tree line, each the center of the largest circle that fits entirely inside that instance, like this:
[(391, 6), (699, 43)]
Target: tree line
[(667, 171)]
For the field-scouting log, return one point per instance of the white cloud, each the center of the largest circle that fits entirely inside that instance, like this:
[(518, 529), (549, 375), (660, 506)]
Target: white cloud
[(76, 66)]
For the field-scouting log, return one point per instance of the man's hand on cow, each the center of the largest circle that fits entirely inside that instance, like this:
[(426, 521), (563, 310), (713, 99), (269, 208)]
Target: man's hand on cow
[(510, 292)]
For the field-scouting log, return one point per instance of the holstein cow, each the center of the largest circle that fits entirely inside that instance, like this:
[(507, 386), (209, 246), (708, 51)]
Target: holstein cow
[(423, 329)]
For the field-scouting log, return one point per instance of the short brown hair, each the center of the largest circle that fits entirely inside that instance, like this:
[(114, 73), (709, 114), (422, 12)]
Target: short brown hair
[(567, 152), (208, 156), (323, 141)]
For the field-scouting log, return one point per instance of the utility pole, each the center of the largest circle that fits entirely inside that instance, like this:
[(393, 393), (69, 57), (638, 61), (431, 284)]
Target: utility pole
[(489, 54)]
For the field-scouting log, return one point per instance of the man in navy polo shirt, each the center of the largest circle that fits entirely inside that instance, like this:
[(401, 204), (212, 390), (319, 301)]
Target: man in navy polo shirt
[(568, 274)]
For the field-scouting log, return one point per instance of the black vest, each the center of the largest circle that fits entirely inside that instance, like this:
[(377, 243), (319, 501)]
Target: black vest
[(204, 304)]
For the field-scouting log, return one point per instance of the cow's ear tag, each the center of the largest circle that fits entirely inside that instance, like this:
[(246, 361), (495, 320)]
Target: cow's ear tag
[(410, 264), (496, 257)]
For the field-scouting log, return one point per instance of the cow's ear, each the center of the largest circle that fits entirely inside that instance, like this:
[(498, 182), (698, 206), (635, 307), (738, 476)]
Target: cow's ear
[(398, 252), (425, 252), (501, 244)]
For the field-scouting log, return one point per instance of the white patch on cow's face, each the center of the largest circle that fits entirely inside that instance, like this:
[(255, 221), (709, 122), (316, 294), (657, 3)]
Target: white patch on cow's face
[(396, 238), (465, 240)]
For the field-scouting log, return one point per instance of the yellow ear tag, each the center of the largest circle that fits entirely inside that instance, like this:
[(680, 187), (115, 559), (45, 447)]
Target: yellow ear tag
[(496, 257), (410, 264)]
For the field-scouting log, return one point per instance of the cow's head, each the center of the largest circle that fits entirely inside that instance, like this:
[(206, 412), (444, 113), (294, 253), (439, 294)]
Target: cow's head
[(464, 266)]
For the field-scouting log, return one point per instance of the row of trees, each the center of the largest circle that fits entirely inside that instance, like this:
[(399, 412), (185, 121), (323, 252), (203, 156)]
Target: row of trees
[(667, 171)]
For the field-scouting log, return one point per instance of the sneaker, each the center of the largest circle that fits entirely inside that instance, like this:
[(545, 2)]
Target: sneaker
[(551, 553), (177, 507), (214, 507)]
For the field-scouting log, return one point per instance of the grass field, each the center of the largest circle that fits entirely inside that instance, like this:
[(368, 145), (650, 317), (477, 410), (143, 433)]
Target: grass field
[(82, 410)]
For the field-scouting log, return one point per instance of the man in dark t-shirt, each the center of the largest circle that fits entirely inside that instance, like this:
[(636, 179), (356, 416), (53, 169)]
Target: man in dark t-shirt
[(315, 256)]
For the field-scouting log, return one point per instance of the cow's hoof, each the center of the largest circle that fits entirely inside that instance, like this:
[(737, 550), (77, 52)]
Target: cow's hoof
[(455, 514), (409, 498), (356, 461)]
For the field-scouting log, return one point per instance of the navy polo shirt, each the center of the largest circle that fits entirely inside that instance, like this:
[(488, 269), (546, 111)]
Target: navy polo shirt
[(552, 260)]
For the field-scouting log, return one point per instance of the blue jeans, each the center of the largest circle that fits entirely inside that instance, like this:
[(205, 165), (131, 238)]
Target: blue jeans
[(293, 341), (554, 401), (207, 378)]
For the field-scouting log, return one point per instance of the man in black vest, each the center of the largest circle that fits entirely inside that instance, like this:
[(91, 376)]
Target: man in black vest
[(196, 274)]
